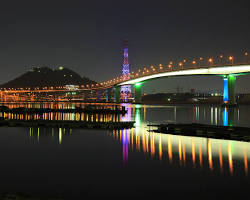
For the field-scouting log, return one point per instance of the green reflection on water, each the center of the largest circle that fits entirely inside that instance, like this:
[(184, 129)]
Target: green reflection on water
[(138, 116), (186, 149), (196, 151)]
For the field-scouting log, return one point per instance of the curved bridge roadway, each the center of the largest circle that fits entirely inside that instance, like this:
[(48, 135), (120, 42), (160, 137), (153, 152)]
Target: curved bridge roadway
[(228, 73)]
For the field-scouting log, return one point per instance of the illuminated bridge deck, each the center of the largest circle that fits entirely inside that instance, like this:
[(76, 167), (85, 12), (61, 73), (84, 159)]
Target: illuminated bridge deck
[(219, 70)]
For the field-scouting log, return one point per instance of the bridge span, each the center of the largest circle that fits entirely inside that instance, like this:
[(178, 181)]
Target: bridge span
[(227, 72), (221, 70)]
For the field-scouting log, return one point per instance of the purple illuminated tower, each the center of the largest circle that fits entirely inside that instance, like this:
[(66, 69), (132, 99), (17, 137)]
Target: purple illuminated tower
[(126, 89)]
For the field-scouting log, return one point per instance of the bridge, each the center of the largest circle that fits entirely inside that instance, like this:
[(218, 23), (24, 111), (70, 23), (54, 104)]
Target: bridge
[(228, 70)]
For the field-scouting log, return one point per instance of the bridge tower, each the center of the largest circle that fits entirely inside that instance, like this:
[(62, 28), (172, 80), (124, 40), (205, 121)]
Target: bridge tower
[(126, 89), (229, 90)]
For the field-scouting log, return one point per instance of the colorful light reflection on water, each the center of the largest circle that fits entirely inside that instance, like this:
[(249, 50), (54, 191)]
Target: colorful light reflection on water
[(186, 151), (196, 151)]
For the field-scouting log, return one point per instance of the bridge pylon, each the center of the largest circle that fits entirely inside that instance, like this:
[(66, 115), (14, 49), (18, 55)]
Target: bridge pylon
[(229, 90), (137, 88), (108, 94), (117, 94)]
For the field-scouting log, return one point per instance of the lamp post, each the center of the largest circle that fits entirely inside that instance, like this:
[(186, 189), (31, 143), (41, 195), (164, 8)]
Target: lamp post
[(181, 64), (170, 66), (210, 60), (221, 57), (246, 56), (194, 62), (231, 58), (201, 59)]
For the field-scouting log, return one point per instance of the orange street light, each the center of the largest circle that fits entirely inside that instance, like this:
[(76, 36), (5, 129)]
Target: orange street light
[(194, 62), (246, 54), (210, 60), (221, 57), (231, 58), (181, 64)]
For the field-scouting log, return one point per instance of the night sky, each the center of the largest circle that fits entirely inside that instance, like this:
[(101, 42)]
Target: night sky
[(86, 36)]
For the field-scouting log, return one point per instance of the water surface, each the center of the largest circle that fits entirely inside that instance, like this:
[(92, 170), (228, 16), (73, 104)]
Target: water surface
[(77, 163)]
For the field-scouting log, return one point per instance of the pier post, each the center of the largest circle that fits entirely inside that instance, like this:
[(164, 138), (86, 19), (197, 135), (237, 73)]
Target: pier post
[(137, 87), (84, 96), (99, 93), (117, 94), (108, 94), (229, 90)]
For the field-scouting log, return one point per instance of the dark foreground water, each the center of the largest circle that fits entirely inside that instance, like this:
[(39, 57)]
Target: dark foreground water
[(79, 164)]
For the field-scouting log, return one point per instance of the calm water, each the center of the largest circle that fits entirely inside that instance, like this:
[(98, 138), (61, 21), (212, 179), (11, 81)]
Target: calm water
[(77, 164)]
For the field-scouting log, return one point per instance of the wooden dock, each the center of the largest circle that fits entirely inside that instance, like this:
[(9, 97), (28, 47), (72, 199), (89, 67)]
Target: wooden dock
[(203, 130)]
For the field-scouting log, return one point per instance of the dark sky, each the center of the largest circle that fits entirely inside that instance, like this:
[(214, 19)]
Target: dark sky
[(86, 36)]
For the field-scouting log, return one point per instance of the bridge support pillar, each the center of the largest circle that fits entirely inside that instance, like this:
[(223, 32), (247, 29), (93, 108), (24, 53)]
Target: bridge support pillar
[(84, 95), (229, 90), (117, 94), (99, 94), (137, 87), (108, 94)]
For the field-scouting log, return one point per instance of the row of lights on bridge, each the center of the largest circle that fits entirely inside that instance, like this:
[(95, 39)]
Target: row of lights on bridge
[(170, 66), (140, 72)]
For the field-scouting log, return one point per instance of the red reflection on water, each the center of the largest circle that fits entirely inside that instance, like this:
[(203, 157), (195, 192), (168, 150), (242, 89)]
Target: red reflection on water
[(193, 153), (220, 159), (230, 159), (245, 162), (180, 150), (170, 153), (200, 155)]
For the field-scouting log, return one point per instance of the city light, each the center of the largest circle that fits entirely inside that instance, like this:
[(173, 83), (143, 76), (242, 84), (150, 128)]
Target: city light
[(231, 58), (147, 72), (210, 60)]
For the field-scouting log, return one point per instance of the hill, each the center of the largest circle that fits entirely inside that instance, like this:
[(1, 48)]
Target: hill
[(46, 77)]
